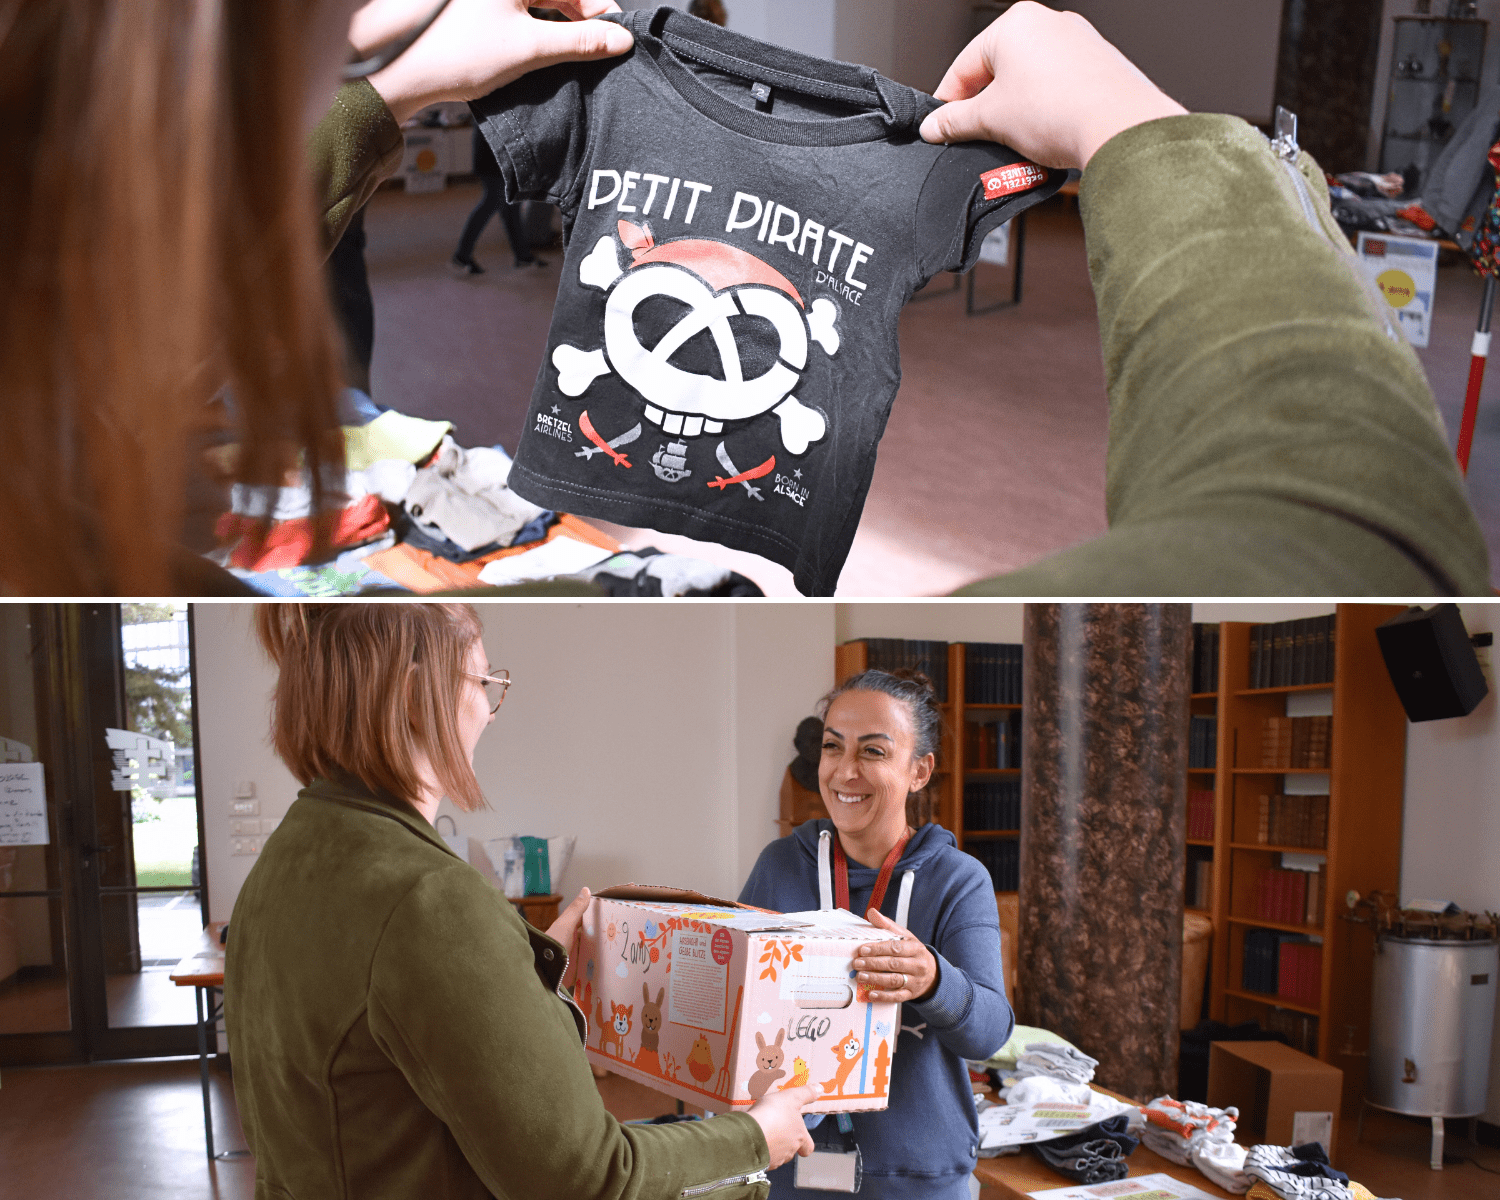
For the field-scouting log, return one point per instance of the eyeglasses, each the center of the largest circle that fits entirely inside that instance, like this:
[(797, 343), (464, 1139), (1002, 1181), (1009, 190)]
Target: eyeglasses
[(385, 55), (500, 679)]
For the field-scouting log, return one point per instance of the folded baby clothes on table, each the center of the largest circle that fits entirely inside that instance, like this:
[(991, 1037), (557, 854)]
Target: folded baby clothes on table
[(1174, 1127), (1043, 1089), (1058, 1061), (649, 572), (1298, 1172), (1095, 1154), (465, 496), (1223, 1163)]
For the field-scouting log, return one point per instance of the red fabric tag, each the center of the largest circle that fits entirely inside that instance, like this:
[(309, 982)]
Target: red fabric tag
[(1006, 181)]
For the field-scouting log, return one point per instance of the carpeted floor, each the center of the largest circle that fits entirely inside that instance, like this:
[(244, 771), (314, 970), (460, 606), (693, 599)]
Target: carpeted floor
[(994, 454)]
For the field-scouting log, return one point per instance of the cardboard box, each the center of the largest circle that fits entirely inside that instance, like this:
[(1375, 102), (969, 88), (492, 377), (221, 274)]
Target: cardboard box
[(1285, 1097), (718, 1004)]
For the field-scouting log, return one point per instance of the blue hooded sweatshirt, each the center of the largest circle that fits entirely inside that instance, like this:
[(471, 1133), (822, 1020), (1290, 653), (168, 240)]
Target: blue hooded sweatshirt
[(925, 1144)]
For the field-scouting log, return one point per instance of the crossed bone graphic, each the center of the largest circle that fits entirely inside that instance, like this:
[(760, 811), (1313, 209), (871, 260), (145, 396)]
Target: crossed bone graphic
[(680, 402)]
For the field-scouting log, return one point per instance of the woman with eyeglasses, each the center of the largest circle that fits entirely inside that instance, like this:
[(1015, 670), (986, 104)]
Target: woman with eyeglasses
[(397, 1030)]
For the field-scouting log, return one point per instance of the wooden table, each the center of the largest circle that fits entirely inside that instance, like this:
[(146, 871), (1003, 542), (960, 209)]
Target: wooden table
[(1016, 1176), (203, 970), (538, 911)]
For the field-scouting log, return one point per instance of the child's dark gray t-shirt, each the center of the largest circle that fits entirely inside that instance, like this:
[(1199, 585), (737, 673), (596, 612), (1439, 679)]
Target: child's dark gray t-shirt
[(744, 224)]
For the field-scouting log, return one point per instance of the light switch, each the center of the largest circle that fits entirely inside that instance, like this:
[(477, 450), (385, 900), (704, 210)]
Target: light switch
[(244, 789), (244, 828), (268, 824), (244, 808)]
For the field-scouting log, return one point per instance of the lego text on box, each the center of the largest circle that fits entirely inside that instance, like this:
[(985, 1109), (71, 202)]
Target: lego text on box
[(719, 1005)]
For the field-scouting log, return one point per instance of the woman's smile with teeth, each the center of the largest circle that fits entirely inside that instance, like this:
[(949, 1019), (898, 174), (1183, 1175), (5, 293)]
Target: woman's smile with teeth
[(849, 797)]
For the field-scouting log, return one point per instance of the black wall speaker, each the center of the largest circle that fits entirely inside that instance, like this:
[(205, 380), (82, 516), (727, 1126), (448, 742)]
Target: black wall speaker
[(1432, 663)]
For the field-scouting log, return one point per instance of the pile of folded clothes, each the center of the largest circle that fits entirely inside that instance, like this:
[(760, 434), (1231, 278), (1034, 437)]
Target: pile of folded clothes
[(407, 483), (405, 480), (1299, 1173), (1095, 1154), (1049, 1072), (1186, 1132)]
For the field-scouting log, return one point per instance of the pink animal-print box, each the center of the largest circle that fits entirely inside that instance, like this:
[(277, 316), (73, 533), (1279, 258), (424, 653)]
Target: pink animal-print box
[(718, 1004)]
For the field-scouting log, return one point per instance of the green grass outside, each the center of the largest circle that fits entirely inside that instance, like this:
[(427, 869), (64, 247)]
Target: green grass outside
[(164, 847)]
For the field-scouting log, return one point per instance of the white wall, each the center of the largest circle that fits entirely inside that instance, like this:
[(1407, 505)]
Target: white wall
[(948, 621), (657, 734), (1208, 55), (1450, 847)]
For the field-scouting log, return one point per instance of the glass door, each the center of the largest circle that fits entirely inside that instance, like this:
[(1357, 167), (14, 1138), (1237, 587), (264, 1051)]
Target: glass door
[(40, 1005), (142, 899), (100, 888)]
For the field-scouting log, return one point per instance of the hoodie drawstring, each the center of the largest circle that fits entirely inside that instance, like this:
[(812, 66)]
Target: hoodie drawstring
[(825, 872)]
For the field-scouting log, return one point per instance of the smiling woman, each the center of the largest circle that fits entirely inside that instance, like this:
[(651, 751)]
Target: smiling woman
[(942, 961)]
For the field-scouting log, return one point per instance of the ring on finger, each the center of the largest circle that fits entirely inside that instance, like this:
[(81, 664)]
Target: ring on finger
[(903, 980)]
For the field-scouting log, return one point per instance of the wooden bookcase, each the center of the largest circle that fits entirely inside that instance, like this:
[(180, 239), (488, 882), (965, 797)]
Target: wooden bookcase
[(1365, 785), (947, 786)]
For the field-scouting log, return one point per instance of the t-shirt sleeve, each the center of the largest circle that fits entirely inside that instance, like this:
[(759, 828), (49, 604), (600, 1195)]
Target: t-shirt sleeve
[(972, 189), (538, 127)]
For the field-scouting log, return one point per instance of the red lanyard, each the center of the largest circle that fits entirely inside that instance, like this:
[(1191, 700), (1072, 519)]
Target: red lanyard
[(841, 873)]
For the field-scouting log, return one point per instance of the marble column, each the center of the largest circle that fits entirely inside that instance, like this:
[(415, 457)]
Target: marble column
[(1103, 796), (1325, 73)]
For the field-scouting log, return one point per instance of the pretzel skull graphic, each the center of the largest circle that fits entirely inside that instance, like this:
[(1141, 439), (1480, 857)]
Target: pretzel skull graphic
[(714, 281)]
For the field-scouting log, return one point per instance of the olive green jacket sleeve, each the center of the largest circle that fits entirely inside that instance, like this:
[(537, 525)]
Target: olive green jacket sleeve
[(356, 146), (1271, 433), (397, 1032)]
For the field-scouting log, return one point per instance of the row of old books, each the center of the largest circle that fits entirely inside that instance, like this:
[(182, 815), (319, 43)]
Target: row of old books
[(1296, 743), (1290, 897), (1287, 965), (1200, 815), (992, 673), (1299, 1029), (1205, 658), (993, 745), (1292, 653), (901, 654), (1203, 742), (1002, 859), (1293, 821), (1201, 894), (992, 804)]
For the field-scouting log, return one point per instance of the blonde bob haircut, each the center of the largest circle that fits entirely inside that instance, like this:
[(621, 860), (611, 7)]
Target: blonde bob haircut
[(365, 688)]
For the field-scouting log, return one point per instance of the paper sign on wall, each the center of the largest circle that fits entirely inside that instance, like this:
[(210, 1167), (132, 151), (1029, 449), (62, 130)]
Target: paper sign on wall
[(142, 762), (23, 805), (14, 751), (1404, 271)]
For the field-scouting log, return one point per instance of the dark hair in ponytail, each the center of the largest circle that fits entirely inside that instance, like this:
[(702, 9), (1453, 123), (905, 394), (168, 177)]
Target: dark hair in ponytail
[(914, 690)]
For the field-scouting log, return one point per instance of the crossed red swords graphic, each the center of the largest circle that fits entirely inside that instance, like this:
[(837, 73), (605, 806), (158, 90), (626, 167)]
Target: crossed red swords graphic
[(721, 482)]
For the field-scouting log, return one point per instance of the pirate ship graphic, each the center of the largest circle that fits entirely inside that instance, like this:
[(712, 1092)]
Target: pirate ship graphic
[(714, 284), (670, 462)]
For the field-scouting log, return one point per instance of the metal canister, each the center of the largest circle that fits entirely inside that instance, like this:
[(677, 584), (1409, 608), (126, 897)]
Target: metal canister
[(1431, 1019)]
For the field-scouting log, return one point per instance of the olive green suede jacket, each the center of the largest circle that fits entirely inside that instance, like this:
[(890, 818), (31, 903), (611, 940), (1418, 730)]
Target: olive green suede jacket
[(397, 1033), (1271, 432)]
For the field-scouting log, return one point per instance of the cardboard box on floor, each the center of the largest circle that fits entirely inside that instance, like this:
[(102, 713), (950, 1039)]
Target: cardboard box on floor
[(718, 1004), (1285, 1097)]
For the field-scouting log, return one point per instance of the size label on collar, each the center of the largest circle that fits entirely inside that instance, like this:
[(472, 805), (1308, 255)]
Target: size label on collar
[(1006, 181)]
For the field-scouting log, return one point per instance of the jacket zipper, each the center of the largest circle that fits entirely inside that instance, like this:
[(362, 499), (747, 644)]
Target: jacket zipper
[(1301, 185), (1286, 152), (703, 1189)]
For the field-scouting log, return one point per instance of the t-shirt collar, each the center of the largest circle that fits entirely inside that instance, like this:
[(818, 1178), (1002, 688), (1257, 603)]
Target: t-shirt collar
[(667, 36)]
